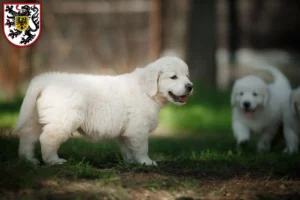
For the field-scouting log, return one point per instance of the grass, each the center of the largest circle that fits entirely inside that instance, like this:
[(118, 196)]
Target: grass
[(9, 112), (184, 163), (200, 163)]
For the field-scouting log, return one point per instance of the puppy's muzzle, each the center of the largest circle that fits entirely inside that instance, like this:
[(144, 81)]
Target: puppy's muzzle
[(189, 87), (246, 104)]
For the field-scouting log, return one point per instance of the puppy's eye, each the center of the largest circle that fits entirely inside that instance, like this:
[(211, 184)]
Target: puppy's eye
[(174, 77), (254, 94), (241, 93)]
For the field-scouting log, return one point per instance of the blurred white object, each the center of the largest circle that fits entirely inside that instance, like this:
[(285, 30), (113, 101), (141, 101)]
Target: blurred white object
[(248, 58)]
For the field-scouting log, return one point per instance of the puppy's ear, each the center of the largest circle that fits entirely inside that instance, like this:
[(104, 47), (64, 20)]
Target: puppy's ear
[(149, 80), (294, 105), (233, 99), (267, 96)]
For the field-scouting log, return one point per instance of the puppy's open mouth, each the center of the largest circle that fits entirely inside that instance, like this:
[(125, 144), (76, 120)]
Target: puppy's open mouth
[(180, 99), (249, 113)]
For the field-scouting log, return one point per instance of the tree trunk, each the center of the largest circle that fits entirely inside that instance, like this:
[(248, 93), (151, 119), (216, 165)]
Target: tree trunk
[(202, 41)]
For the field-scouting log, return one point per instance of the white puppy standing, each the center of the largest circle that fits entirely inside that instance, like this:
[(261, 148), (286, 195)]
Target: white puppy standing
[(125, 107), (292, 122), (258, 107)]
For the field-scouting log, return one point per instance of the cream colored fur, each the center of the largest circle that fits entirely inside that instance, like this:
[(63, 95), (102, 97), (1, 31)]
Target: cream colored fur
[(292, 122), (124, 107), (266, 103)]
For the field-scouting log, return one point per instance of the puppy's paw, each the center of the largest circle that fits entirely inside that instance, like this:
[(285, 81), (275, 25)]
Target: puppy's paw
[(261, 147), (154, 163), (147, 161), (286, 151), (290, 151), (242, 144), (58, 161), (33, 161)]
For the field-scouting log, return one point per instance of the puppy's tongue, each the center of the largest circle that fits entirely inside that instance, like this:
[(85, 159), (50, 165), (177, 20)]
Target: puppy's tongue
[(248, 114), (183, 99)]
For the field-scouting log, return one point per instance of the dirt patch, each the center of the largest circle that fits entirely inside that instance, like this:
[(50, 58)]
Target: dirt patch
[(65, 189), (157, 187), (251, 189), (141, 187)]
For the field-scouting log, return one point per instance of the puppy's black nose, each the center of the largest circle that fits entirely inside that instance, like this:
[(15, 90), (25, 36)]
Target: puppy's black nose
[(189, 86), (246, 104)]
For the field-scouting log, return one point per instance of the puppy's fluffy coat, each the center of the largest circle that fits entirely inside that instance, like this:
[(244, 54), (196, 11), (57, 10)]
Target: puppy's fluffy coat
[(258, 107), (125, 107), (292, 122)]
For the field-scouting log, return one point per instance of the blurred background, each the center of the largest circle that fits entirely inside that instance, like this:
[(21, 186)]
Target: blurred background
[(218, 39)]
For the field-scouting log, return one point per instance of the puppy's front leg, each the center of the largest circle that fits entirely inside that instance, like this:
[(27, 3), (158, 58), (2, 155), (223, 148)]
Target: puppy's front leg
[(241, 133), (135, 148), (126, 152)]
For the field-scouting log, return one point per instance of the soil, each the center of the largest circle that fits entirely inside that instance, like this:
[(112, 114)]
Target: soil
[(153, 186)]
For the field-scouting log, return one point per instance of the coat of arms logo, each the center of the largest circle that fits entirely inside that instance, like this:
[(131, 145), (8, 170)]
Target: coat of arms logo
[(21, 23)]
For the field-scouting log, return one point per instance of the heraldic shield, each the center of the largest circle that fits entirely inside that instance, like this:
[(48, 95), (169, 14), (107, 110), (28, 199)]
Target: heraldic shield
[(21, 23)]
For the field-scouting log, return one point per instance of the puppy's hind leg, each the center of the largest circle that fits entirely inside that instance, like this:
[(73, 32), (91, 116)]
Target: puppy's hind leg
[(126, 153), (51, 139), (54, 134), (29, 136), (264, 143), (291, 140), (61, 116)]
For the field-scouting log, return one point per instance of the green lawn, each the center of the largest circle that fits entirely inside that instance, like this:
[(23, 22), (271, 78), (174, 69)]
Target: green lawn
[(185, 163), (197, 161), (9, 112)]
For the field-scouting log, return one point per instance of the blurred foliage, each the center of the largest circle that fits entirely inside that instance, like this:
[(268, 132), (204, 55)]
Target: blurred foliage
[(206, 110), (9, 112)]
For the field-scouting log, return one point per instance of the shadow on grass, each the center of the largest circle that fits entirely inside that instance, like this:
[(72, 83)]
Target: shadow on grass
[(185, 163), (195, 157), (292, 196)]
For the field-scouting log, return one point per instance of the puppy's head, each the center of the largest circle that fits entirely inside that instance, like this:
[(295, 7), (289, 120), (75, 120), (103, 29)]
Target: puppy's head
[(295, 102), (250, 94), (167, 80)]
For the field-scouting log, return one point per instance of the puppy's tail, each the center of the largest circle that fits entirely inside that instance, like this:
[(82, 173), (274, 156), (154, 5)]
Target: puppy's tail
[(28, 106), (279, 77)]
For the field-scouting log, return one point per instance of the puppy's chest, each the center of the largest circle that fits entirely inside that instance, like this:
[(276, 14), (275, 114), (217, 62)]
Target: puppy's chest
[(142, 122), (256, 126), (257, 130)]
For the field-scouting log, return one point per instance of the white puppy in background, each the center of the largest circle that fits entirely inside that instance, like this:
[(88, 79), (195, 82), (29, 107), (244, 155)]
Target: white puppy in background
[(292, 122), (258, 107), (125, 107)]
